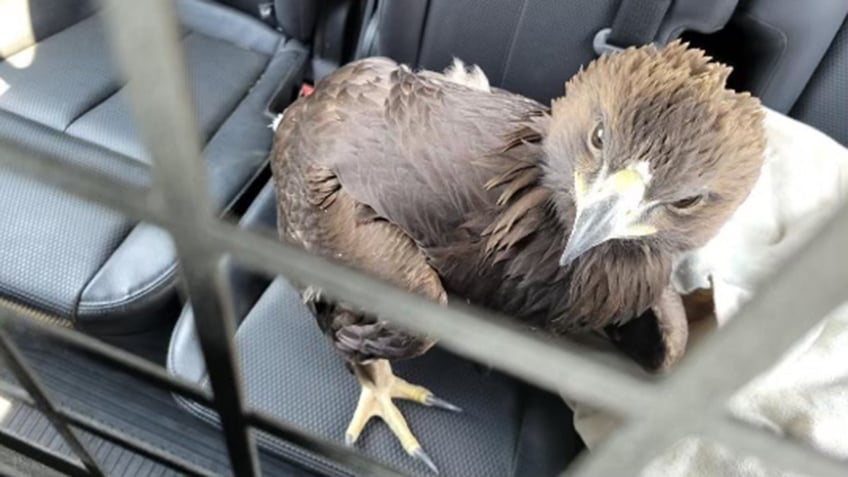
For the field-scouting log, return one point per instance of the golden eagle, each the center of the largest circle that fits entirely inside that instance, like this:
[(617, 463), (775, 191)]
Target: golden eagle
[(566, 217)]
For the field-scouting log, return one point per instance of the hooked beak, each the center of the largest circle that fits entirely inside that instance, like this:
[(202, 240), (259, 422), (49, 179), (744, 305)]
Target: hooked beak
[(607, 210)]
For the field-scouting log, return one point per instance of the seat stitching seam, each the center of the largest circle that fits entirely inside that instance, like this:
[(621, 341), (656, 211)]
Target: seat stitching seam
[(422, 33), (78, 298), (131, 161), (148, 288), (513, 41), (90, 108), (516, 451), (107, 97)]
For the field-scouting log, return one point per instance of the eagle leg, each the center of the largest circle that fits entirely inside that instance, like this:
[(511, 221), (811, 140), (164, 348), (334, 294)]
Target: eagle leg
[(379, 387)]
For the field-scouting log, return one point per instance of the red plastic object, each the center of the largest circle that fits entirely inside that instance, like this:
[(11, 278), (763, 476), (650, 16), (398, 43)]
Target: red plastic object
[(306, 89)]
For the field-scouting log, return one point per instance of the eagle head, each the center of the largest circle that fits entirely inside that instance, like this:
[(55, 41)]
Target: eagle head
[(649, 144)]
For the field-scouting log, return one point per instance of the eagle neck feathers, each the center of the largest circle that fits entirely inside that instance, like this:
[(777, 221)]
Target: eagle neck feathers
[(523, 203)]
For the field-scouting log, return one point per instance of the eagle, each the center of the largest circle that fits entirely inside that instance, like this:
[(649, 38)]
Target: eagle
[(567, 217)]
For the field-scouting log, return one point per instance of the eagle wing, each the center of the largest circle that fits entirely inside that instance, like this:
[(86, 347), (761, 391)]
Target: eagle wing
[(416, 148), (379, 167), (316, 211)]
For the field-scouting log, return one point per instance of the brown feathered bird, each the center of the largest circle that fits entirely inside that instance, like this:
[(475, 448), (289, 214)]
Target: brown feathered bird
[(567, 218)]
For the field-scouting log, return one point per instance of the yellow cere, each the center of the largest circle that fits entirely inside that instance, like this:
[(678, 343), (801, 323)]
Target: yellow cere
[(580, 187), (625, 180), (639, 230)]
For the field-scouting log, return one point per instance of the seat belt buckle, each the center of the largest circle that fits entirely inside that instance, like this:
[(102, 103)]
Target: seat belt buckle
[(601, 43), (305, 90)]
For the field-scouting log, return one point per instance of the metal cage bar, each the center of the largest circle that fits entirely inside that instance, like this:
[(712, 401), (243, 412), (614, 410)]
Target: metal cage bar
[(659, 412), (149, 30)]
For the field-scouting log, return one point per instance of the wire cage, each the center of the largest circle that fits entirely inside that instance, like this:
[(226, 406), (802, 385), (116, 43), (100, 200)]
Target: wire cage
[(657, 413)]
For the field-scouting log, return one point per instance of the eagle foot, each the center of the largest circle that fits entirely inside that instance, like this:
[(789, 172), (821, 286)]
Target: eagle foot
[(379, 387)]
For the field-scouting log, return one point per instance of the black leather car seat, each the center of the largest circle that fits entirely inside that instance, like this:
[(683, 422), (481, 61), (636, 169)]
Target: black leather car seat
[(83, 265)]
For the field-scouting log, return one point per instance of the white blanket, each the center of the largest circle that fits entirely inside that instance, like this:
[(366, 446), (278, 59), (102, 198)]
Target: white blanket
[(805, 175)]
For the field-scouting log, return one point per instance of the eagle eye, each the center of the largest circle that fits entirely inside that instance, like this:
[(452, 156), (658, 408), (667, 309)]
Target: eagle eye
[(688, 202), (597, 137)]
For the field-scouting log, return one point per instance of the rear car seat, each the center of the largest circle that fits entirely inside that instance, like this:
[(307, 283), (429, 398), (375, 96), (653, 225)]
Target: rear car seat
[(289, 369), (82, 265), (793, 56)]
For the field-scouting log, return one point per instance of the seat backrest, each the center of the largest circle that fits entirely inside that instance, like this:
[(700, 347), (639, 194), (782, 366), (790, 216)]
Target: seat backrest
[(43, 19), (775, 46), (792, 55), (527, 46), (824, 102)]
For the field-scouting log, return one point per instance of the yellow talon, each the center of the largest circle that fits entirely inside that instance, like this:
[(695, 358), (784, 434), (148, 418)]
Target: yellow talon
[(379, 387)]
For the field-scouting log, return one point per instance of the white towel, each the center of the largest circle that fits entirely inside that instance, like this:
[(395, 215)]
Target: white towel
[(805, 175)]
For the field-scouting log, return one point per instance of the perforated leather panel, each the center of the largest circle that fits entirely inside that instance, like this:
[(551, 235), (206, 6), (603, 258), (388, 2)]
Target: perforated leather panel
[(824, 103)]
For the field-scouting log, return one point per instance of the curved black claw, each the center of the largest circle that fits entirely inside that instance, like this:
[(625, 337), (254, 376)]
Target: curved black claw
[(431, 400), (423, 457)]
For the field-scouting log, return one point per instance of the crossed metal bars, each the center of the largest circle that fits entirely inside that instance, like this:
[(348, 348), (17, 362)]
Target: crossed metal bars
[(657, 413)]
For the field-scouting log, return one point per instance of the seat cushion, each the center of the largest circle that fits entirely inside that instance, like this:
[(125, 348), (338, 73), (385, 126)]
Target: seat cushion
[(292, 372), (63, 95), (51, 243)]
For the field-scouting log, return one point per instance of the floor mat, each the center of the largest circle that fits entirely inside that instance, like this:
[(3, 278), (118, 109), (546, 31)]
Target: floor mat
[(126, 403)]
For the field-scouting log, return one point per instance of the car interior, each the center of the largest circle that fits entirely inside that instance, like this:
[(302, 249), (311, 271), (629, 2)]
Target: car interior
[(83, 266)]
